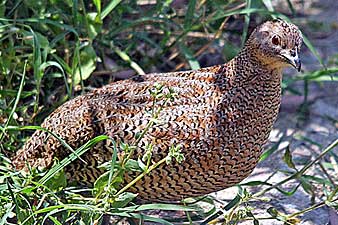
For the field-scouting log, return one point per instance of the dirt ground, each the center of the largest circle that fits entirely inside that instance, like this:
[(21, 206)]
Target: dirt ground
[(319, 22)]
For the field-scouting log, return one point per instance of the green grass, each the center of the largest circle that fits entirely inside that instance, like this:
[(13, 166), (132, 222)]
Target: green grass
[(52, 51)]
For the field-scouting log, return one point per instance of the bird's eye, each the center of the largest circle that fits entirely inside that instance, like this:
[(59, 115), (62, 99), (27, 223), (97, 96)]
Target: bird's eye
[(275, 40)]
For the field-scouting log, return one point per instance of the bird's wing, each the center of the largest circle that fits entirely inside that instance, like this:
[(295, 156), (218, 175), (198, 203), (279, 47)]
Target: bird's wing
[(123, 109)]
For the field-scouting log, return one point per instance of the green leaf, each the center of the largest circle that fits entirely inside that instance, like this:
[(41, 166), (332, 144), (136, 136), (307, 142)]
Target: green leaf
[(102, 183), (119, 178), (270, 151), (97, 4), (332, 204), (58, 181), (329, 74), (94, 25), (248, 11), (3, 9), (141, 165), (159, 206), (16, 102), (307, 186), (13, 93), (268, 5), (232, 203), (132, 165), (109, 8), (313, 50), (9, 211), (79, 207), (273, 212), (188, 20), (194, 64), (28, 190), (317, 179), (123, 199), (144, 218), (246, 23), (47, 64), (287, 158), (86, 65), (124, 56), (55, 221), (230, 50), (288, 193), (29, 39), (73, 156), (307, 139), (291, 7), (255, 183)]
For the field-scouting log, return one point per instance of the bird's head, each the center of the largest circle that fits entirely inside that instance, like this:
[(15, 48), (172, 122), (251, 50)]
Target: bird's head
[(277, 43)]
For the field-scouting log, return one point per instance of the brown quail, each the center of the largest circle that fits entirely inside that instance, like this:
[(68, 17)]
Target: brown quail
[(221, 118)]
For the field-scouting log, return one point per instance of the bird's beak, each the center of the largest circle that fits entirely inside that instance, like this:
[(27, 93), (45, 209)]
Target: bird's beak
[(292, 57)]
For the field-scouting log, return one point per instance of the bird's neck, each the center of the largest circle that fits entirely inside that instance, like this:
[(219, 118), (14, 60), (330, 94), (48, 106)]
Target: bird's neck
[(251, 65), (251, 98)]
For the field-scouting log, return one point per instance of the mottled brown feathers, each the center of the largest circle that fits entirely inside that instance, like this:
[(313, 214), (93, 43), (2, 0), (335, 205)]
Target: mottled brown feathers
[(221, 117)]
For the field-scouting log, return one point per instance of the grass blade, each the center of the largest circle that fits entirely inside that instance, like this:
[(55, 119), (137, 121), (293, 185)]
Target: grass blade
[(246, 23), (73, 156), (268, 5), (109, 8), (44, 65), (160, 206), (126, 58), (188, 20), (291, 7), (308, 43), (144, 218), (270, 151), (194, 64), (22, 82), (4, 217)]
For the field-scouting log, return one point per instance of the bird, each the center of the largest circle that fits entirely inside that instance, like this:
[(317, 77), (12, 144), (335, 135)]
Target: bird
[(221, 118)]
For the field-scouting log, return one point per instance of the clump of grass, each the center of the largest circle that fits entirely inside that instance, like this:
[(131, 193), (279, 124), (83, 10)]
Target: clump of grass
[(52, 51)]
